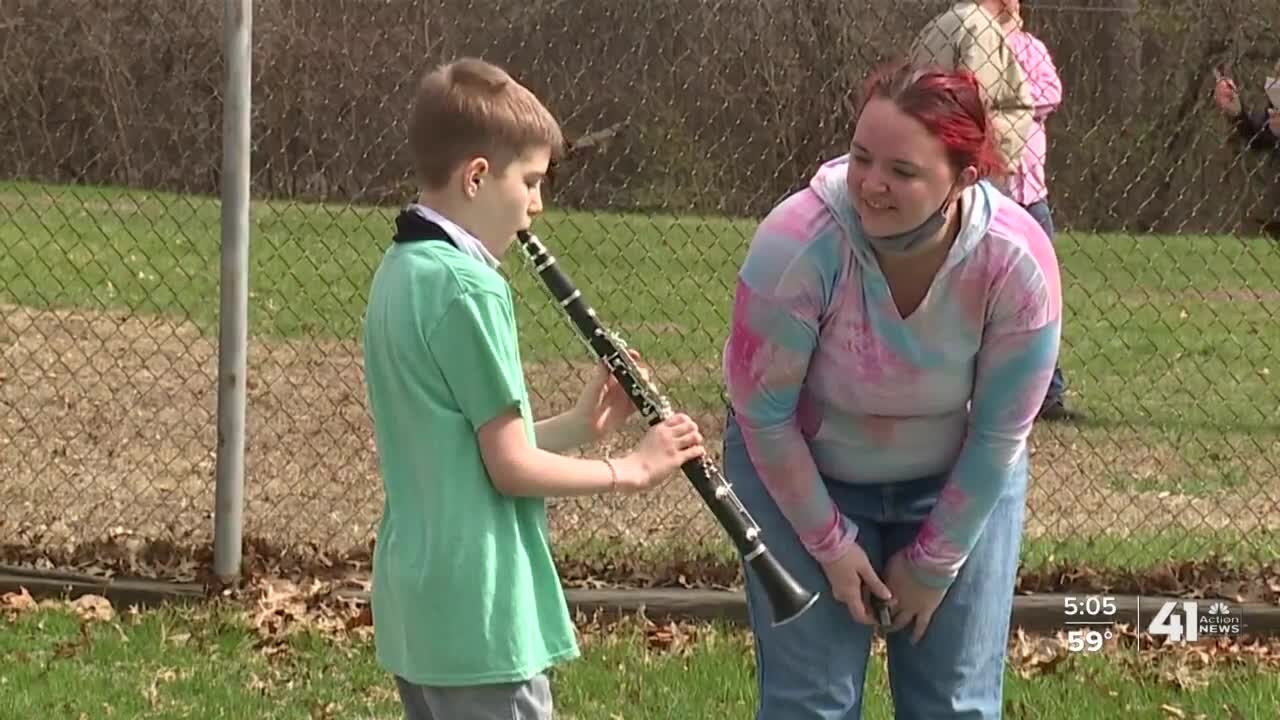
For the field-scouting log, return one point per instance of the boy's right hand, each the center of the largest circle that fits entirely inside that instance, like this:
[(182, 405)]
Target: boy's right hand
[(664, 448)]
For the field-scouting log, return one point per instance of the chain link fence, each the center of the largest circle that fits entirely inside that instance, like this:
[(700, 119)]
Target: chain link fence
[(109, 230)]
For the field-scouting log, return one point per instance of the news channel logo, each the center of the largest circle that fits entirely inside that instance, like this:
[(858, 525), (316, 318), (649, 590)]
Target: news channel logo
[(1186, 621)]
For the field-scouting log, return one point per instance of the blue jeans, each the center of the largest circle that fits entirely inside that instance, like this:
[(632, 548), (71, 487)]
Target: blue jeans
[(1043, 215), (814, 667)]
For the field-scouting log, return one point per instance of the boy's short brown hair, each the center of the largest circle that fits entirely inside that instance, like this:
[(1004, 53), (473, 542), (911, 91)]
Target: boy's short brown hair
[(469, 108)]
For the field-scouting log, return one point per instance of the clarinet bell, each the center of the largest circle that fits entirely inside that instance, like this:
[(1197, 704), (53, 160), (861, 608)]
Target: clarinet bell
[(788, 599)]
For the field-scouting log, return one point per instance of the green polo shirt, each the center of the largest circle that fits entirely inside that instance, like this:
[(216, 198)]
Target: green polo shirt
[(465, 591)]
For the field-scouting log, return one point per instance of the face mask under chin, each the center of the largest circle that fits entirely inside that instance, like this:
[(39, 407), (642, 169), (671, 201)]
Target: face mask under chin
[(911, 240)]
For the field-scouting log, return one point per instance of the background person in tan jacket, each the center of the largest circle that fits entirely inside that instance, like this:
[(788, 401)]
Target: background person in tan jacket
[(971, 35)]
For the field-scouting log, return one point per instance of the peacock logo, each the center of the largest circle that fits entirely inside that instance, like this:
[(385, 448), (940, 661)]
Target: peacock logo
[(1219, 608)]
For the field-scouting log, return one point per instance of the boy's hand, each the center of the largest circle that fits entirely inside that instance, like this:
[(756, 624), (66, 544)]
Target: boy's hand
[(604, 405), (664, 448)]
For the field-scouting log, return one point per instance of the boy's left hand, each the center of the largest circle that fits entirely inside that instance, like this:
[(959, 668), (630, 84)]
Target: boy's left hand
[(604, 405), (914, 601)]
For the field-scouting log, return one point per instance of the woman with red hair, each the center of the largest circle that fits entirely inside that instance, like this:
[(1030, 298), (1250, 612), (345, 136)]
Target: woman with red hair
[(895, 327)]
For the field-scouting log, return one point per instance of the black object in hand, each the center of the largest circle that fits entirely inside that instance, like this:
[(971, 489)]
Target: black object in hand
[(882, 612)]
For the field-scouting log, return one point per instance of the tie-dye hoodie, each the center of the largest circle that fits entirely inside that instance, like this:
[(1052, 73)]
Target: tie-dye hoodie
[(828, 381)]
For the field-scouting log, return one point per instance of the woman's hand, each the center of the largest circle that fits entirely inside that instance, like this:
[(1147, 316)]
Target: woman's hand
[(854, 581), (1226, 96), (915, 602)]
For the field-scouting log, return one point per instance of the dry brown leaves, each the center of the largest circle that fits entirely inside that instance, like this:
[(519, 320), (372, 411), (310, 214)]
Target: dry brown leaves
[(123, 553), (279, 608), (89, 608), (1032, 655), (275, 608), (658, 636), (13, 603), (705, 573), (1210, 577), (1182, 666)]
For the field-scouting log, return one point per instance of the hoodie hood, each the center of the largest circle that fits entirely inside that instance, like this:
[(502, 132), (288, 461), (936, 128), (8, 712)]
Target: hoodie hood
[(977, 208)]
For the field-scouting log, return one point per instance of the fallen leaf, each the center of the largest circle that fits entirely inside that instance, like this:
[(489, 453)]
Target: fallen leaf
[(17, 602), (1030, 656), (93, 607), (662, 637), (363, 618)]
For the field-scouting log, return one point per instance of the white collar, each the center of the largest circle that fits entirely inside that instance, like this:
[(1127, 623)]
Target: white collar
[(465, 241)]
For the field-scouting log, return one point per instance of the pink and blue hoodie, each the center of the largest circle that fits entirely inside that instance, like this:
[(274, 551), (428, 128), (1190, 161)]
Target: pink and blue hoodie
[(827, 380)]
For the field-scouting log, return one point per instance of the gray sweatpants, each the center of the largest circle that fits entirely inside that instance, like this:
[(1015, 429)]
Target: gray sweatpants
[(529, 700)]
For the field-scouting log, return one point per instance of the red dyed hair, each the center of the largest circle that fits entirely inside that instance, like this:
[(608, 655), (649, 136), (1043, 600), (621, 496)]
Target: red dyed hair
[(950, 104)]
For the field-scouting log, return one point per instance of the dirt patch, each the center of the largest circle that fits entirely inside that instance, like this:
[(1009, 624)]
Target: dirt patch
[(1267, 296), (40, 199), (111, 421), (1247, 295), (1090, 482), (109, 424)]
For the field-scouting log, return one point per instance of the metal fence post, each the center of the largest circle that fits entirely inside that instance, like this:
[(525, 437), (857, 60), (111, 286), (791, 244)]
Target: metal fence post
[(234, 302)]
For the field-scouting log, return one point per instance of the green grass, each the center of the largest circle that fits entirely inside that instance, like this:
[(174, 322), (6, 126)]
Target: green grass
[(1164, 348), (1146, 549), (1153, 336), (664, 284), (181, 663)]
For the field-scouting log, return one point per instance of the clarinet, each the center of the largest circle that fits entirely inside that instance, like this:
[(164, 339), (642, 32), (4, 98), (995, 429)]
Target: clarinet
[(787, 598)]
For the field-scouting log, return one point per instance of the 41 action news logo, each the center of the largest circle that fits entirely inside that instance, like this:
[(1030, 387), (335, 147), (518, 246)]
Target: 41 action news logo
[(1182, 621)]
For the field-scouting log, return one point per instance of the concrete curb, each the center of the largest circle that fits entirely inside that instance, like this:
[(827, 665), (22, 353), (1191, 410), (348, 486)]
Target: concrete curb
[(1033, 613), (1041, 613)]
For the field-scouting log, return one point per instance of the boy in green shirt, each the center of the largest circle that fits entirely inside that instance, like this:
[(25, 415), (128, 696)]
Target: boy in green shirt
[(468, 608)]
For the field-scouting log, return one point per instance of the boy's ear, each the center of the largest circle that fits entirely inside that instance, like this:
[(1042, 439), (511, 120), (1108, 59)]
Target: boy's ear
[(472, 174), (968, 176)]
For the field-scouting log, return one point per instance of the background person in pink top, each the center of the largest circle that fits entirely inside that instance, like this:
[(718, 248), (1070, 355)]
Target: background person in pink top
[(1028, 183), (1257, 131), (894, 329)]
